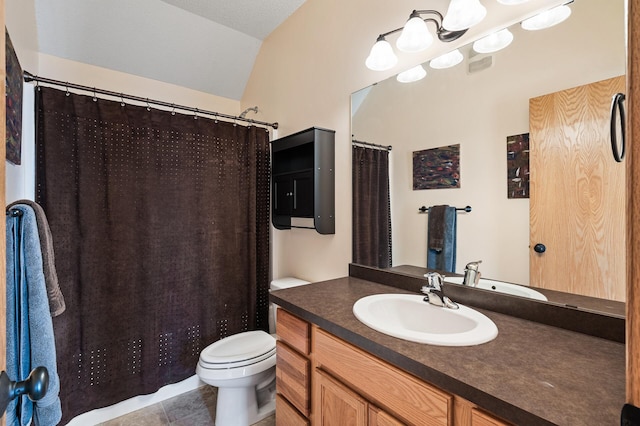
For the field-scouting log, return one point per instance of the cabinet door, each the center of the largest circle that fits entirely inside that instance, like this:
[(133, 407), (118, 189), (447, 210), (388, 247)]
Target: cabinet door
[(282, 195), (293, 194), (334, 404), (302, 194), (377, 417)]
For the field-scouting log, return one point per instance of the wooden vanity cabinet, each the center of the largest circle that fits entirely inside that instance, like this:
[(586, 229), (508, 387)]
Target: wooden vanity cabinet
[(323, 380)]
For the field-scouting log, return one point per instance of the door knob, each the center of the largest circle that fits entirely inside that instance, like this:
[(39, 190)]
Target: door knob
[(539, 248), (35, 387)]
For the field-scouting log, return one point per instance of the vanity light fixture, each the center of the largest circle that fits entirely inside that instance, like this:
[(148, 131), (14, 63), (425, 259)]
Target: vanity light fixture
[(447, 60), (463, 14), (381, 57), (547, 18), (493, 42), (412, 74), (416, 37)]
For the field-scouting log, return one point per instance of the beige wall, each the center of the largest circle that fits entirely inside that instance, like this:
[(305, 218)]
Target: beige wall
[(303, 77), (89, 75)]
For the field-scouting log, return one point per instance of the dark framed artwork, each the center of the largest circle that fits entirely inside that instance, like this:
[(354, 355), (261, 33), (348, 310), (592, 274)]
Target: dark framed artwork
[(13, 102), (437, 168), (518, 166)]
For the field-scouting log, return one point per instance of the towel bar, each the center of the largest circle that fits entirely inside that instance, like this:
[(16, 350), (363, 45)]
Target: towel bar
[(424, 209)]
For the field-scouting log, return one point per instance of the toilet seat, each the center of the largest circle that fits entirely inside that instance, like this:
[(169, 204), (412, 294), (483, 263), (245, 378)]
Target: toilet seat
[(239, 350)]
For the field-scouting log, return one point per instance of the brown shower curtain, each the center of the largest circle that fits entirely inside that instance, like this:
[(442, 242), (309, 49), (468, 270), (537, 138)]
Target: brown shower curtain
[(371, 207), (160, 224)]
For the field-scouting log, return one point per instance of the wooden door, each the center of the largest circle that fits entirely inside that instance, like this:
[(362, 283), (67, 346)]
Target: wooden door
[(633, 206), (577, 200), (335, 405)]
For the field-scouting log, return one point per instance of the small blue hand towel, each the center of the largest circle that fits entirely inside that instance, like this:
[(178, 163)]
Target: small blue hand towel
[(442, 255)]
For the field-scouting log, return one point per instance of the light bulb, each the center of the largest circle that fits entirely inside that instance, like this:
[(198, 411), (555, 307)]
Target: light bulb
[(415, 36), (493, 42), (413, 74), (381, 57), (463, 14), (447, 60), (547, 19)]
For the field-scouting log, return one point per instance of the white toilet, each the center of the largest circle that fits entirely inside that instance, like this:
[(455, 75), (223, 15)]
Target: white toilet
[(243, 368)]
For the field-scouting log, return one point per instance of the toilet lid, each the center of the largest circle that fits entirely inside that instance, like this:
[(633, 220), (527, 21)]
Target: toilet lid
[(237, 350)]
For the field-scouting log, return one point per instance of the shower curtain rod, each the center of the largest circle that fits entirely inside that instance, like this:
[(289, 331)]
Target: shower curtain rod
[(28, 77), (388, 147)]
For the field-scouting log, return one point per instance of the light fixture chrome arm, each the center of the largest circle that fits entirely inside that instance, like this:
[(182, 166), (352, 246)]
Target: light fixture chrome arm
[(443, 34), (415, 37)]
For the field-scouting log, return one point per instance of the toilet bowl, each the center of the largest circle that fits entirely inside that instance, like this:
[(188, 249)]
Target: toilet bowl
[(243, 368)]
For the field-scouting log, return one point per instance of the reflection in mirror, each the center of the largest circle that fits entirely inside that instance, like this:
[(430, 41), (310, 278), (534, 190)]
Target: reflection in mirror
[(478, 104)]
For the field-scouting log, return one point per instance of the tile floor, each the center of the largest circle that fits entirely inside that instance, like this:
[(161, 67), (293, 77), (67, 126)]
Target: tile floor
[(195, 408)]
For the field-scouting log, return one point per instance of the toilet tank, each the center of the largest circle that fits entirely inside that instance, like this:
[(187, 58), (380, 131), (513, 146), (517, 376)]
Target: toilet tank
[(279, 284)]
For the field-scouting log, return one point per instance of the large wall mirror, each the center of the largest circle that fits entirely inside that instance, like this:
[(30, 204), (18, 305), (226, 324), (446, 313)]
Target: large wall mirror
[(478, 108)]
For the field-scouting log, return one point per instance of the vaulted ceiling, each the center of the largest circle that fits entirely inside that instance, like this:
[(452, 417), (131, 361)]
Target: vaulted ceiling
[(206, 45)]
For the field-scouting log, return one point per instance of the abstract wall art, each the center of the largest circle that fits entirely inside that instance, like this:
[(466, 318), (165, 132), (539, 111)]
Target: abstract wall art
[(437, 168), (13, 103), (518, 166)]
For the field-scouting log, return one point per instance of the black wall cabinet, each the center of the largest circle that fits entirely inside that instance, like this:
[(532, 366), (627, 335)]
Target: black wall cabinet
[(303, 179)]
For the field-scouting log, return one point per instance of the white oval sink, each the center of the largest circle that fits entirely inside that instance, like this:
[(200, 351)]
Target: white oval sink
[(502, 287), (409, 317)]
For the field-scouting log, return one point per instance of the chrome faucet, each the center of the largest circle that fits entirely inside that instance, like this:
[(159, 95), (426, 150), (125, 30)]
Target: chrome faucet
[(434, 291), (472, 273)]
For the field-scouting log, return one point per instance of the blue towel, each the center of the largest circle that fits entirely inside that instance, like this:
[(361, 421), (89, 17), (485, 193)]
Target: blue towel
[(443, 256), (30, 338)]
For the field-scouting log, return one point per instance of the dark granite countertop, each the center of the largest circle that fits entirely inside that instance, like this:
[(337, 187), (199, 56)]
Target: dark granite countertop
[(530, 374)]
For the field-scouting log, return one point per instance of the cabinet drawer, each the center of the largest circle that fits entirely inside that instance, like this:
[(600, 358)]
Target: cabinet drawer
[(478, 418), (396, 391), (292, 377), (294, 331), (286, 415)]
